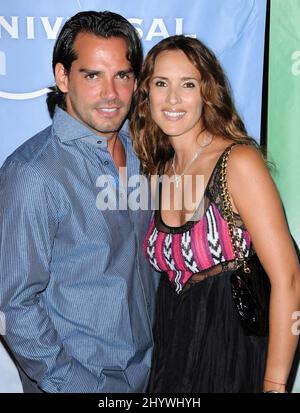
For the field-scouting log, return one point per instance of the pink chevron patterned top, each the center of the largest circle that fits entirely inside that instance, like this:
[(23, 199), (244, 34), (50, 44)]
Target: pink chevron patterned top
[(197, 246)]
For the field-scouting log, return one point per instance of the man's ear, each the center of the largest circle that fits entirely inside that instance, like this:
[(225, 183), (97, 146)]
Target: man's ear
[(61, 77)]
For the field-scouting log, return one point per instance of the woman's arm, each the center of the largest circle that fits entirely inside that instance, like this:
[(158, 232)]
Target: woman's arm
[(255, 197)]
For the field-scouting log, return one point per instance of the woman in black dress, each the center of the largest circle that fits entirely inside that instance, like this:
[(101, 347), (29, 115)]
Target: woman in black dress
[(185, 126)]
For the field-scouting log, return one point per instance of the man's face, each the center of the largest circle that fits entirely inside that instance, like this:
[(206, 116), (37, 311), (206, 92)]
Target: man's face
[(100, 84)]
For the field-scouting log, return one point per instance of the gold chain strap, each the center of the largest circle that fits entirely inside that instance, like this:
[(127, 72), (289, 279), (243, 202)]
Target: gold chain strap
[(235, 238)]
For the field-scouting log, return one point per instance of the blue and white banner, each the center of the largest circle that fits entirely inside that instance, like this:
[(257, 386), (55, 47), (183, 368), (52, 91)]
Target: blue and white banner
[(233, 29)]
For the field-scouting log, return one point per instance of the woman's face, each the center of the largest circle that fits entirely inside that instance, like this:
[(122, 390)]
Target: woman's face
[(175, 98)]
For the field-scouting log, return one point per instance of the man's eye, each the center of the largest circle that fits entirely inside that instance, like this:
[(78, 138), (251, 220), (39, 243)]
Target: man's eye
[(123, 75), (91, 76)]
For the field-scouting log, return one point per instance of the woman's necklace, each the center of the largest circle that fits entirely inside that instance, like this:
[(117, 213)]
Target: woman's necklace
[(177, 177)]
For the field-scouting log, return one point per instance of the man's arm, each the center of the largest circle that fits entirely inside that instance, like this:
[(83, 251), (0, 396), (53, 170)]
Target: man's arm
[(28, 221)]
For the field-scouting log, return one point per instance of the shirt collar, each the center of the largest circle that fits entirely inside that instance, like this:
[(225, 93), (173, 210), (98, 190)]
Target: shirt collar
[(68, 128)]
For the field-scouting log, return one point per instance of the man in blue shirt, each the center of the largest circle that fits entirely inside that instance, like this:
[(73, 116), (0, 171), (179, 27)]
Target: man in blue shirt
[(76, 291)]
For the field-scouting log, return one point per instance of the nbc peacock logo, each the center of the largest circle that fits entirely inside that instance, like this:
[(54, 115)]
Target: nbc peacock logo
[(17, 96), (26, 44)]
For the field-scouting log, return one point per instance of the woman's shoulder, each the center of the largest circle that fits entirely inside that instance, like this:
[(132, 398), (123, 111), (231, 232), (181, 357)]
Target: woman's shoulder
[(245, 157), (247, 167), (240, 153)]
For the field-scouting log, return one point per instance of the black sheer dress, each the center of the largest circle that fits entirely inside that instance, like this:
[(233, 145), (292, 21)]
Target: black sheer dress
[(200, 345)]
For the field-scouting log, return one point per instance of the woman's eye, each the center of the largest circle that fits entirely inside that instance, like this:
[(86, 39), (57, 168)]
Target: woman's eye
[(189, 85), (160, 83)]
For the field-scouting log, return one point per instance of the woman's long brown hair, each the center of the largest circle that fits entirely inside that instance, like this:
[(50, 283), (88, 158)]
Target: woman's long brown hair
[(220, 116)]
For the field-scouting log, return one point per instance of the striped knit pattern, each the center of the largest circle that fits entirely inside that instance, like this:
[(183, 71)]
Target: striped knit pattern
[(200, 248)]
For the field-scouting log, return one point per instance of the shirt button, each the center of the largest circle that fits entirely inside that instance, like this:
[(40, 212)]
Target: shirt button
[(106, 162), (99, 142)]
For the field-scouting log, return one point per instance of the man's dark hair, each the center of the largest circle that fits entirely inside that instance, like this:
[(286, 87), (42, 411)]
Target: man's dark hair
[(104, 24)]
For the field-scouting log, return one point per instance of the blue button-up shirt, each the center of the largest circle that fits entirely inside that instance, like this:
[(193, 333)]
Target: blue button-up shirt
[(75, 288)]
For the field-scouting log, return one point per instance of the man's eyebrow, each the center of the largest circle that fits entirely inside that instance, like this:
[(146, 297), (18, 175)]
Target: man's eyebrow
[(97, 72), (89, 71), (126, 71)]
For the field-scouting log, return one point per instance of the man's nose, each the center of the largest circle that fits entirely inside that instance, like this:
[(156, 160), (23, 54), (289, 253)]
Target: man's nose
[(108, 89)]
